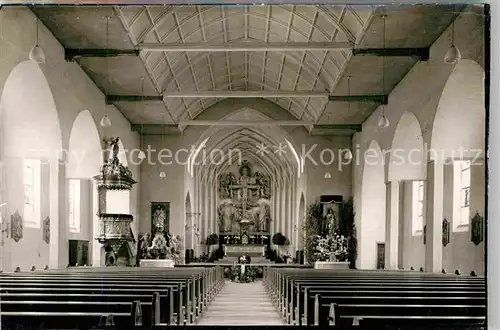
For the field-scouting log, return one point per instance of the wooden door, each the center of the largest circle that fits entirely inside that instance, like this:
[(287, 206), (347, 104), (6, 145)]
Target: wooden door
[(380, 255)]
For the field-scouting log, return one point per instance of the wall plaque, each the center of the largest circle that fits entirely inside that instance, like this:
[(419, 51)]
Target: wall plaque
[(446, 232), (425, 234), (17, 226), (46, 230), (477, 229)]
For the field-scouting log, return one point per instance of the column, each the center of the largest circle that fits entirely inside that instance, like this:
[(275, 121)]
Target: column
[(277, 202), (392, 224), (402, 227), (205, 218), (210, 216), (95, 245), (283, 210), (58, 246), (434, 217)]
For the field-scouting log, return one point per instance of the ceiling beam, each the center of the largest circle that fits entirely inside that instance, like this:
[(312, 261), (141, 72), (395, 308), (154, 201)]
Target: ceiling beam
[(353, 127), (110, 99), (360, 98), (245, 123), (72, 53), (174, 129), (245, 47), (421, 53), (244, 94)]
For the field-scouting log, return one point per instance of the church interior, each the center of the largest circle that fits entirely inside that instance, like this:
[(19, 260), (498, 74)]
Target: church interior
[(271, 160)]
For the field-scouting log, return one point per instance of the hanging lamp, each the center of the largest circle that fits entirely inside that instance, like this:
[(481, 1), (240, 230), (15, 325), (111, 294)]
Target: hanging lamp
[(162, 173), (453, 54), (348, 153), (105, 121), (37, 54), (142, 154), (383, 121)]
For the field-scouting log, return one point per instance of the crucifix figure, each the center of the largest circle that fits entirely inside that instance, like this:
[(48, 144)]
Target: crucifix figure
[(245, 182)]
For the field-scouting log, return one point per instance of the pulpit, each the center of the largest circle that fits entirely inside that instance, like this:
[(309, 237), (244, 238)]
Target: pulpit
[(115, 234)]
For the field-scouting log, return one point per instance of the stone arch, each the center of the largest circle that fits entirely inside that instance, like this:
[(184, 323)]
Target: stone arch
[(407, 158), (459, 124), (373, 209), (30, 121), (84, 152), (31, 129)]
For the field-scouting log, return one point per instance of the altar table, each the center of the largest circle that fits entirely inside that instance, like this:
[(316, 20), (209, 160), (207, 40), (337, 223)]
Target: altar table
[(331, 265), (248, 249), (165, 263)]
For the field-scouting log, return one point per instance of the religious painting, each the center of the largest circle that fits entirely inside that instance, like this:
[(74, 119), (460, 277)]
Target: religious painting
[(46, 230), (446, 232), (16, 226), (477, 229), (331, 214), (160, 217), (245, 201)]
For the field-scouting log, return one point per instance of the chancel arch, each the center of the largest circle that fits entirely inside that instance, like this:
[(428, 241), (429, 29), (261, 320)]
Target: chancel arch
[(373, 210), (233, 147), (31, 152)]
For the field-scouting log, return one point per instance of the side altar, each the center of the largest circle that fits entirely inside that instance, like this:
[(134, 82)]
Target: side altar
[(244, 211)]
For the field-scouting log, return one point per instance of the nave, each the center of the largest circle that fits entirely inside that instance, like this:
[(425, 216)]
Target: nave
[(302, 163)]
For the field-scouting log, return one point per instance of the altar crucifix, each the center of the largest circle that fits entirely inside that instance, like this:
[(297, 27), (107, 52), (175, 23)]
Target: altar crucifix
[(245, 183)]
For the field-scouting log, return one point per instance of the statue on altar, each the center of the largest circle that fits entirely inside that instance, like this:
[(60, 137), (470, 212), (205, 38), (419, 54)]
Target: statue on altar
[(245, 201), (227, 213), (331, 222)]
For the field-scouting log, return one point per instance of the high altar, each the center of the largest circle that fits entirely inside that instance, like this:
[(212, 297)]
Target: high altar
[(244, 211)]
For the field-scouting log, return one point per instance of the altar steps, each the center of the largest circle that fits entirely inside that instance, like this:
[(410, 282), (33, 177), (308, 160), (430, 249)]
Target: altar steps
[(254, 260), (241, 304)]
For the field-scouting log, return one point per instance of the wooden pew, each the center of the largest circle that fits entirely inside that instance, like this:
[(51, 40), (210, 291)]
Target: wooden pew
[(420, 298), (38, 294), (191, 296)]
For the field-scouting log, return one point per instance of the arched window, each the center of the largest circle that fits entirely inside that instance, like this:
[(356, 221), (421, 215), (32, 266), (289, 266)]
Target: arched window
[(418, 207), (74, 205), (461, 194), (32, 186)]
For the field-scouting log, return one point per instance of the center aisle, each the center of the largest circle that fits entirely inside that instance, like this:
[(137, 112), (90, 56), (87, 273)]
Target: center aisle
[(241, 304)]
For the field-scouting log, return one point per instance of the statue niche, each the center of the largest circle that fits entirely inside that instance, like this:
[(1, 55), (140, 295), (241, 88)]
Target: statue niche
[(245, 201)]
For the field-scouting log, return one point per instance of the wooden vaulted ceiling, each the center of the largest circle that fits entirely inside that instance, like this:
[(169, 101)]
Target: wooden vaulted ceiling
[(187, 55)]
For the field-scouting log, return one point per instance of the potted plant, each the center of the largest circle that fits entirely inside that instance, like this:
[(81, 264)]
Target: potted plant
[(212, 239), (279, 239), (349, 231)]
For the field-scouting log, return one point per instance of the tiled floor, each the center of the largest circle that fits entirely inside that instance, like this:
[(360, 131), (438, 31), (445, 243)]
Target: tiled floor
[(241, 304)]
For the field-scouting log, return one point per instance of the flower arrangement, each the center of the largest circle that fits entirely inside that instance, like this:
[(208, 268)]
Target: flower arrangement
[(159, 248), (323, 245), (175, 248), (331, 248), (243, 273)]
